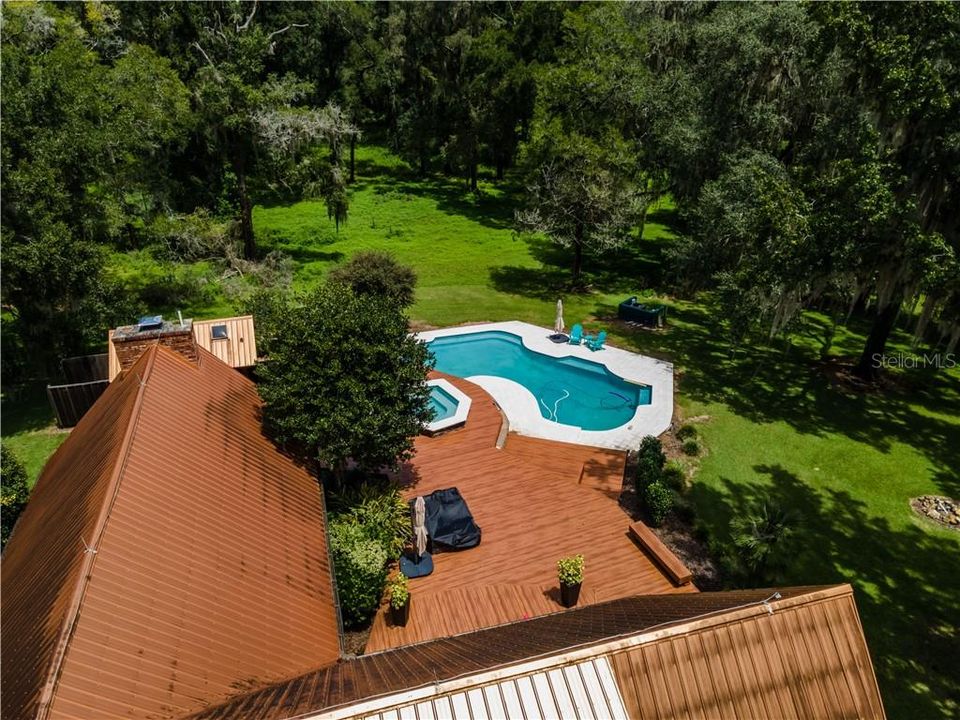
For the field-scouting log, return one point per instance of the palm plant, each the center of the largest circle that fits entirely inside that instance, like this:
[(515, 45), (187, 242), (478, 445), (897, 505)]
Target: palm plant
[(763, 541)]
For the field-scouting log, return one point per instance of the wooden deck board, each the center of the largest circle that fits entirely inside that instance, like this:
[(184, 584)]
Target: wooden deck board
[(535, 501)]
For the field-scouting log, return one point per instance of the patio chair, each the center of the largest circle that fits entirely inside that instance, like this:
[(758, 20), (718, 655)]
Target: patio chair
[(576, 334), (597, 342)]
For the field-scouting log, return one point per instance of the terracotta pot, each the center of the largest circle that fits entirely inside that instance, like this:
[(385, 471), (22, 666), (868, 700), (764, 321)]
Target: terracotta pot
[(399, 616), (569, 594)]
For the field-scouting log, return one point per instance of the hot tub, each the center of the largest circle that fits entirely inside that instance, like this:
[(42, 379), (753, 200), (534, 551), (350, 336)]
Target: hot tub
[(450, 406)]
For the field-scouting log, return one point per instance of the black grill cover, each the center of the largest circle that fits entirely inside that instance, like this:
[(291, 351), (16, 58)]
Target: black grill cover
[(449, 522)]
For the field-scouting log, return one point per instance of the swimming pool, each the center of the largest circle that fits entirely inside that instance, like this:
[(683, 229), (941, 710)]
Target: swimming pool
[(568, 390)]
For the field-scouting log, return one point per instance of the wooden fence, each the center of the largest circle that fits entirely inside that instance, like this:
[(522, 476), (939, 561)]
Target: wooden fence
[(71, 402), (85, 368)]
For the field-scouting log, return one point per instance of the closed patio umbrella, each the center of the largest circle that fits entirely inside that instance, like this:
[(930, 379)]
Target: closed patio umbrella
[(419, 526), (558, 323)]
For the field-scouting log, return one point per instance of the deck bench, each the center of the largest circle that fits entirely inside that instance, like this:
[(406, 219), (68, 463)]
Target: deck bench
[(677, 571)]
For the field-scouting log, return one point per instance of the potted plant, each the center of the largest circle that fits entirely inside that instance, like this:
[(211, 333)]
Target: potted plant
[(570, 573), (399, 600)]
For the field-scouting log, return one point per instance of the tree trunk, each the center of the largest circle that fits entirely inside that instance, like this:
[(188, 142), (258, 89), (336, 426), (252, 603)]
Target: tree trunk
[(353, 159), (577, 255), (868, 368), (246, 207), (473, 175), (501, 167)]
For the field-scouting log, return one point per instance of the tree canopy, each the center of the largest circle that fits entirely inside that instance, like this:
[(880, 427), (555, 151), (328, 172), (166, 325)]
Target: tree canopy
[(811, 149), (345, 381)]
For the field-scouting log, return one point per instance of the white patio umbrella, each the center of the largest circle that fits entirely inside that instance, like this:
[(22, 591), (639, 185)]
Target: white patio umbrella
[(419, 526), (558, 323)]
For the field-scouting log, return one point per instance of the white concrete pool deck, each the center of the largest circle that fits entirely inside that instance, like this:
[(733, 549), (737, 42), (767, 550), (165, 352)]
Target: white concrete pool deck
[(522, 409)]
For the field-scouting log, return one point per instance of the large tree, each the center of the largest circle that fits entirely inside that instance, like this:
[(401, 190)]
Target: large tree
[(588, 180), (258, 120), (344, 380), (86, 138)]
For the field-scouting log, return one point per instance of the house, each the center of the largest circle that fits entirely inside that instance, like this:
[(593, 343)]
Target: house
[(170, 555), (173, 563), (795, 653), (233, 339)]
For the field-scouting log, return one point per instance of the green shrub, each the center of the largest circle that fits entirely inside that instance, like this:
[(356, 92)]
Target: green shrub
[(659, 501), (398, 591), (377, 507), (379, 275), (651, 447), (14, 492), (690, 447), (570, 570), (648, 471), (360, 567), (650, 460), (686, 431), (674, 477)]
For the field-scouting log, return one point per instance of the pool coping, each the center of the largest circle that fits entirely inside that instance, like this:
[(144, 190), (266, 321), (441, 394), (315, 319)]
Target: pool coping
[(520, 405), (459, 416)]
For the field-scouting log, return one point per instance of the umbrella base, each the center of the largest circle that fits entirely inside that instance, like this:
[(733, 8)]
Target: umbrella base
[(414, 569), (559, 338)]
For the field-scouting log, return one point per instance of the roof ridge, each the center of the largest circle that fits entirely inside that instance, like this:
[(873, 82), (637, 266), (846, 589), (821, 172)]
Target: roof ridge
[(805, 594), (48, 692)]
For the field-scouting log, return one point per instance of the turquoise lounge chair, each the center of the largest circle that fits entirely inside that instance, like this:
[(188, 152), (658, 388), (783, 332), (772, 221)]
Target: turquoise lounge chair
[(576, 334), (597, 343)]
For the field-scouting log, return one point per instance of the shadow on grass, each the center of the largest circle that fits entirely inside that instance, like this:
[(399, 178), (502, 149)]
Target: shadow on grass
[(25, 409), (907, 582), (763, 384), (630, 269)]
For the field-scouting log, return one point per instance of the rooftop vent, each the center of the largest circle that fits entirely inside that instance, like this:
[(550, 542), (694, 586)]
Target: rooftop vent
[(150, 322)]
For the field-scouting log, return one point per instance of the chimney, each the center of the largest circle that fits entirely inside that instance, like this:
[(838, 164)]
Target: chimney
[(131, 341)]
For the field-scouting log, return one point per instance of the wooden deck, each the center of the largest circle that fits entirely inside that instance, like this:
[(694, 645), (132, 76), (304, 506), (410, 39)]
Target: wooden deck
[(535, 501)]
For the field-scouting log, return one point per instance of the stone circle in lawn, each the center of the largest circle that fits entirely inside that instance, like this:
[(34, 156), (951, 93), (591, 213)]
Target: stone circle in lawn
[(942, 510)]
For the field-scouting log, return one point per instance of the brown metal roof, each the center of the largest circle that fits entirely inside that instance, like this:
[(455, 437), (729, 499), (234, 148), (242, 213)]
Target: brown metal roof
[(803, 660), (654, 616), (211, 570), (238, 349)]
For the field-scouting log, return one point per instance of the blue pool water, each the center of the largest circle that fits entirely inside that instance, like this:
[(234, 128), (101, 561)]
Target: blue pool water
[(572, 391), (442, 403)]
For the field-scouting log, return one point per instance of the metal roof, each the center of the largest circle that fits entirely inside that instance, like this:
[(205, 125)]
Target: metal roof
[(207, 570), (403, 682), (238, 349), (584, 690)]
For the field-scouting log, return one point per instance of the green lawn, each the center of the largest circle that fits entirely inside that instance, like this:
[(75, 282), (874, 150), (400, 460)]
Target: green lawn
[(29, 429), (777, 428)]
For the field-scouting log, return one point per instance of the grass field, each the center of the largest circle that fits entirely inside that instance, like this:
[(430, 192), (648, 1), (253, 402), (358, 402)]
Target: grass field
[(775, 428), (29, 429)]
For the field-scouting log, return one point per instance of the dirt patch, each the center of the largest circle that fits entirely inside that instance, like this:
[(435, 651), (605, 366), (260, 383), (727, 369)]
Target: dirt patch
[(354, 641), (677, 535)]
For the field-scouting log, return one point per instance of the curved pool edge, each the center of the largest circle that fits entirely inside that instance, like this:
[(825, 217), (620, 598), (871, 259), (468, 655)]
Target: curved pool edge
[(521, 407)]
